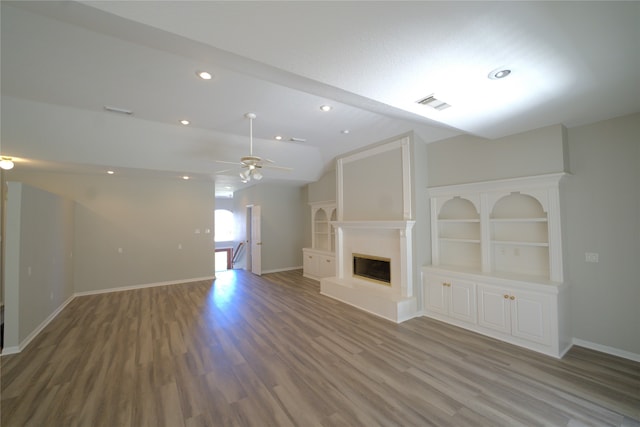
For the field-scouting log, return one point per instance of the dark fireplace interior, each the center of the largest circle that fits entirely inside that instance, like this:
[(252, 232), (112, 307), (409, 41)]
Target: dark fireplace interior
[(372, 268)]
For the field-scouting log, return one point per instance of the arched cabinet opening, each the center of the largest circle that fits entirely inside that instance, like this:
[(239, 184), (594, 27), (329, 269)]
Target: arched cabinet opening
[(459, 234), (519, 236)]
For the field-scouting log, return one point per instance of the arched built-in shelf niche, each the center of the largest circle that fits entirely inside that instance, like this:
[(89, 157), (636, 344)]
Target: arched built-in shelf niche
[(459, 233), (519, 236)]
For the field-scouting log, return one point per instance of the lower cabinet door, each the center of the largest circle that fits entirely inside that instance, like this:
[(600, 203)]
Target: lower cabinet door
[(462, 300), (326, 266), (531, 317), (436, 294), (494, 310), (310, 264)]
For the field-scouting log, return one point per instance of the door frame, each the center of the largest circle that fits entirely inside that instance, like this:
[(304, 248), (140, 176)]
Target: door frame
[(253, 238)]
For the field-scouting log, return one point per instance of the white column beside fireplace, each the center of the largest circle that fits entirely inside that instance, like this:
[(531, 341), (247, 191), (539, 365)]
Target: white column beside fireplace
[(391, 240)]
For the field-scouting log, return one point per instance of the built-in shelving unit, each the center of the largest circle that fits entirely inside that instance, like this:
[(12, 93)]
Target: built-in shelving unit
[(497, 261), (319, 259)]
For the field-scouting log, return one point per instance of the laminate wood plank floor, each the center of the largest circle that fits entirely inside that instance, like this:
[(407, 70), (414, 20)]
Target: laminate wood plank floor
[(271, 351)]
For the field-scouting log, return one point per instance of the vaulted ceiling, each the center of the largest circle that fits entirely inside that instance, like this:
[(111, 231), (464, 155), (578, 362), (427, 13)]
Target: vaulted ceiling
[(62, 62)]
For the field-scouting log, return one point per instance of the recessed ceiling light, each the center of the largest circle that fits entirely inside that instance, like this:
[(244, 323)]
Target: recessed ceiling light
[(186, 177), (185, 122), (500, 73), (204, 75), (345, 131), (110, 172), (278, 138), (325, 108)]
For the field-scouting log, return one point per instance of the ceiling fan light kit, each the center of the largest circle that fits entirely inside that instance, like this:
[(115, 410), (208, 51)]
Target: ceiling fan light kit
[(6, 163), (251, 165)]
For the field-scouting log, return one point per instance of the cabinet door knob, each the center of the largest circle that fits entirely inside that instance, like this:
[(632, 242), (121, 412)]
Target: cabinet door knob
[(506, 296), (327, 260), (512, 297)]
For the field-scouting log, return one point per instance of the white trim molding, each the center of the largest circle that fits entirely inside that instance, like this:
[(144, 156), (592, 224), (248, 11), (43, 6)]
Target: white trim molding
[(606, 349)]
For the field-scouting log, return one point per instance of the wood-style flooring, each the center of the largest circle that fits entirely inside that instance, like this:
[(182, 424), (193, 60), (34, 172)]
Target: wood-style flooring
[(271, 351)]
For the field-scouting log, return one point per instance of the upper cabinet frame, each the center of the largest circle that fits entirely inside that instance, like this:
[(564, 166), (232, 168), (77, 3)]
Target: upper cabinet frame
[(502, 227)]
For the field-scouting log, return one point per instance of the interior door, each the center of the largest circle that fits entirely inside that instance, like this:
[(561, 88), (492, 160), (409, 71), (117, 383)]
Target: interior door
[(256, 241)]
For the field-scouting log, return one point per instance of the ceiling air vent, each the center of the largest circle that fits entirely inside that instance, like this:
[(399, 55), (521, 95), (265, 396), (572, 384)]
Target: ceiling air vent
[(435, 103), (294, 139)]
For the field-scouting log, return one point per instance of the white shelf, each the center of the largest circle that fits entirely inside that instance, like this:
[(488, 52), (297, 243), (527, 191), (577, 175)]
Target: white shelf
[(519, 243), (498, 220), (451, 239), (453, 221)]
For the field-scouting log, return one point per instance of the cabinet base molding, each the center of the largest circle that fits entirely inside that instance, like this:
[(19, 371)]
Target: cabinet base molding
[(382, 304)]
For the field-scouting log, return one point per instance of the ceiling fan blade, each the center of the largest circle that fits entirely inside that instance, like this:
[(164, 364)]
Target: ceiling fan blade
[(224, 171), (282, 168), (229, 163)]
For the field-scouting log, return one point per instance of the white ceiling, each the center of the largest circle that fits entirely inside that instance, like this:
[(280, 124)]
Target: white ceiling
[(572, 63)]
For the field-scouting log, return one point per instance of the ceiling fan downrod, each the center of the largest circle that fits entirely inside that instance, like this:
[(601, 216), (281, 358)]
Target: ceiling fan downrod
[(250, 116)]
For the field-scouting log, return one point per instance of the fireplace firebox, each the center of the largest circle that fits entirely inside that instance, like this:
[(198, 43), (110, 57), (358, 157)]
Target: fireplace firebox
[(372, 268)]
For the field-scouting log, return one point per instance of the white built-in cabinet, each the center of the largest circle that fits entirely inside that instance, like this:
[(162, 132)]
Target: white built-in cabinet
[(497, 261), (319, 260)]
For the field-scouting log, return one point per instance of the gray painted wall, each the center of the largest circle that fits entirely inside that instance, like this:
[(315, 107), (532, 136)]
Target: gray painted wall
[(323, 190), (602, 204), (467, 158), (372, 187), (149, 218), (284, 224), (39, 263)]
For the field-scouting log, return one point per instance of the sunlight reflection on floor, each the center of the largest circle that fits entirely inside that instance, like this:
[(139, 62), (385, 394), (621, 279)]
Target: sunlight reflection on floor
[(223, 289)]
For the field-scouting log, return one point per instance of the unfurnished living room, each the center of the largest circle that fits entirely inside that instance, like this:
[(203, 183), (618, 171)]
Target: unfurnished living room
[(320, 213)]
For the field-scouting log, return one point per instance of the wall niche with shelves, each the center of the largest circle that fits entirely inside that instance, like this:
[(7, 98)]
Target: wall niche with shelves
[(319, 259), (458, 233), (519, 236)]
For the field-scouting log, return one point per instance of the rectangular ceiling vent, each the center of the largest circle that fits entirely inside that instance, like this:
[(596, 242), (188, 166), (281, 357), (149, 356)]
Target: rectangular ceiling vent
[(294, 139), (435, 103)]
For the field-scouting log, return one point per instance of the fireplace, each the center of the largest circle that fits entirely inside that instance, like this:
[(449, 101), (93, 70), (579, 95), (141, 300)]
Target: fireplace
[(372, 268), (386, 287)]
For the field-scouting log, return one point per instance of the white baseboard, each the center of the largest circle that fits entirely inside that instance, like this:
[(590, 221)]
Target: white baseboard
[(278, 270), (142, 286), (36, 331), (606, 349)]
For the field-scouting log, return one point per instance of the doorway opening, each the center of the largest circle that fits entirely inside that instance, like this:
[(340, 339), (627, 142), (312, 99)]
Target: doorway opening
[(223, 259)]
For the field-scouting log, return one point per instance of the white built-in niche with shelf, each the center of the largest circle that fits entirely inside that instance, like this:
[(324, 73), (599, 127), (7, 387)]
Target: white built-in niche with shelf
[(505, 227), (458, 233), (497, 258), (519, 236), (319, 259)]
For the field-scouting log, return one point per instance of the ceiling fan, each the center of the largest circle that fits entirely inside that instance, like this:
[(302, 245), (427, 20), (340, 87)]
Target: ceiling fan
[(251, 165)]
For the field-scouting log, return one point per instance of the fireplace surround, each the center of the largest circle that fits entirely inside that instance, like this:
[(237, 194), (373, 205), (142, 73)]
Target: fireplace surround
[(390, 240), (374, 217)]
